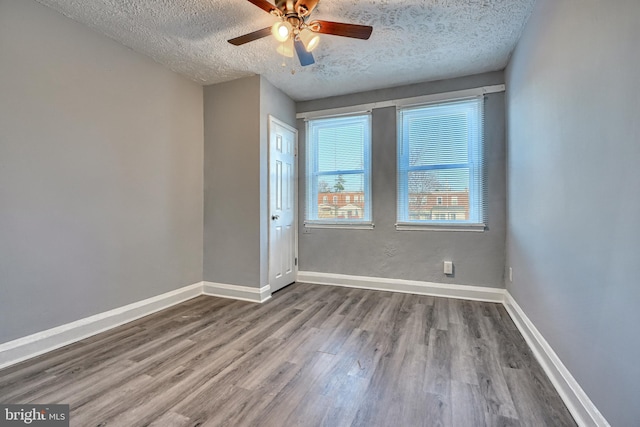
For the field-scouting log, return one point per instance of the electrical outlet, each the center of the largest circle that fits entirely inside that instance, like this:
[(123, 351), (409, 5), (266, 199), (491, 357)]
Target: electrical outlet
[(510, 274)]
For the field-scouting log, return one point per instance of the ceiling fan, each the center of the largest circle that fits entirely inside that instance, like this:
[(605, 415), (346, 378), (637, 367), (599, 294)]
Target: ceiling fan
[(294, 30)]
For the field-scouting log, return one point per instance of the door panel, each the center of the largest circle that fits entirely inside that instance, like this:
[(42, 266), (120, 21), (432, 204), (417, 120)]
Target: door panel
[(282, 204)]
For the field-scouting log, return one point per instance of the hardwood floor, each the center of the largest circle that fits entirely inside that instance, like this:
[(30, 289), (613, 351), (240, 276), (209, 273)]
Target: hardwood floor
[(311, 356)]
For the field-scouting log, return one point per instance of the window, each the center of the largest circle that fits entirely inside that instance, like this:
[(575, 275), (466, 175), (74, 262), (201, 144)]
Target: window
[(440, 164), (325, 199), (338, 161)]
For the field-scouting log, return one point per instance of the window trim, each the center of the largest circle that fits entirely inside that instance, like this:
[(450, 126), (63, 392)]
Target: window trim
[(311, 208), (346, 226), (402, 102), (441, 226)]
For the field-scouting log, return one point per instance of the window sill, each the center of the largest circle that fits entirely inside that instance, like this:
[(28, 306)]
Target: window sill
[(346, 226), (408, 226)]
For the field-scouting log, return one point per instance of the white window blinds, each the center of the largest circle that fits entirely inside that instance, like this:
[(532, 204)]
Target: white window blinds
[(338, 170), (440, 163)]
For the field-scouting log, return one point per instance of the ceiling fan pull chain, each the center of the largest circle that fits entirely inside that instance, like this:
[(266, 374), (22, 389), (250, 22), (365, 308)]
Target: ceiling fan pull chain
[(293, 65)]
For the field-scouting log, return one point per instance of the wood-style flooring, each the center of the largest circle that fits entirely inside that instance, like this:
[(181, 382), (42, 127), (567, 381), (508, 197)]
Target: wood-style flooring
[(311, 356)]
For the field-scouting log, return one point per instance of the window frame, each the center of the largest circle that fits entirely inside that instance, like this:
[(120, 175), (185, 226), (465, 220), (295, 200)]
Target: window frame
[(475, 165), (312, 175)]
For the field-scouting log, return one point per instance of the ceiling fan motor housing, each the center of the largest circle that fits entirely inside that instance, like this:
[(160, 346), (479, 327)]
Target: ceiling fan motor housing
[(295, 21)]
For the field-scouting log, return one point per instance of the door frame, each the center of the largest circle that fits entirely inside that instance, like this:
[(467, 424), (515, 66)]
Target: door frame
[(271, 120)]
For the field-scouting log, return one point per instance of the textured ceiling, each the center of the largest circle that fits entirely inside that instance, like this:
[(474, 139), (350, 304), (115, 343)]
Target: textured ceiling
[(412, 40)]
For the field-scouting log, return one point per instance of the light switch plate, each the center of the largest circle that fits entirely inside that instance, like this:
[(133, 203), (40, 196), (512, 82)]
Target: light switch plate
[(448, 267)]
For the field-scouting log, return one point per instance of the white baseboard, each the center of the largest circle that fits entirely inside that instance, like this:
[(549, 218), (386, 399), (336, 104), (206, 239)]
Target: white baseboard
[(244, 293), (581, 407), (475, 293), (24, 348)]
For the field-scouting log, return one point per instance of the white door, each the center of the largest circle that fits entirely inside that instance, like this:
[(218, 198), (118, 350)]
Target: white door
[(283, 141)]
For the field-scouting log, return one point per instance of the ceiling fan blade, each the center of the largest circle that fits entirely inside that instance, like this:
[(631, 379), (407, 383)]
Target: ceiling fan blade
[(340, 29), (250, 37), (306, 58), (264, 5)]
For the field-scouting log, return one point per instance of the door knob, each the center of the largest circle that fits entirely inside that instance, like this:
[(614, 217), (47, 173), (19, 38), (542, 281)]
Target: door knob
[(275, 217)]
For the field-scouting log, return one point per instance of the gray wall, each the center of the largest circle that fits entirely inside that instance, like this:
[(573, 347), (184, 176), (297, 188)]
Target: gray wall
[(232, 182), (415, 255), (236, 181), (573, 234), (100, 173)]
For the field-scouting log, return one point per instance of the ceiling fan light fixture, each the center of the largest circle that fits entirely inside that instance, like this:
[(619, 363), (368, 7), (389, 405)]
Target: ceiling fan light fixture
[(286, 48), (282, 30), (295, 28), (309, 39)]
